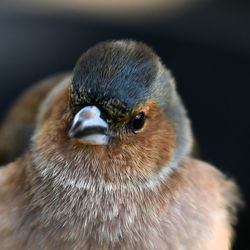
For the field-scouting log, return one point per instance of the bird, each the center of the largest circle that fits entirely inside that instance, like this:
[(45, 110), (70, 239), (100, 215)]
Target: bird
[(109, 164)]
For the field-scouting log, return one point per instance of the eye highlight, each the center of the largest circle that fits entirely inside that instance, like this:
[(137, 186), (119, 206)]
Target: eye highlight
[(138, 121)]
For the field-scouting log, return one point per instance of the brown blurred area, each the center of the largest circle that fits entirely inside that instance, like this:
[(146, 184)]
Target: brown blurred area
[(205, 43), (126, 10)]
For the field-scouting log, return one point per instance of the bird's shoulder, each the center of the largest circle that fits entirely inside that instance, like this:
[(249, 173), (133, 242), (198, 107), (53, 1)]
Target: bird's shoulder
[(204, 184), (204, 205), (210, 181), (13, 179), (19, 122), (13, 201)]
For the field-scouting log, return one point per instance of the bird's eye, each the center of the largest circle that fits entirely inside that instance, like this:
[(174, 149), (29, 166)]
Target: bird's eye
[(138, 121)]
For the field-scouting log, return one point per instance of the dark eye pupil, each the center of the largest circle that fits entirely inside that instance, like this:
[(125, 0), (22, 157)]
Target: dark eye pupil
[(138, 121)]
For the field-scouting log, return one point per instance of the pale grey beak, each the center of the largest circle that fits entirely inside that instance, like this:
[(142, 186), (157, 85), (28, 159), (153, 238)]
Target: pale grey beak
[(89, 127)]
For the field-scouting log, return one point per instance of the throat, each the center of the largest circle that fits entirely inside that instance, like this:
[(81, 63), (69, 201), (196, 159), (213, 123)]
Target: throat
[(79, 205), (105, 214)]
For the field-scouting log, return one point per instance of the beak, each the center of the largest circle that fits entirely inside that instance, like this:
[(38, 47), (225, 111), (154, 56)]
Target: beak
[(89, 127)]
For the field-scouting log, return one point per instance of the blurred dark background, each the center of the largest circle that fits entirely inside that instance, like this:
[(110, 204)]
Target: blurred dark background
[(206, 44)]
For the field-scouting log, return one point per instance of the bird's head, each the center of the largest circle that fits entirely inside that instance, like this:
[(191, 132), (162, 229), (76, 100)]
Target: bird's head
[(118, 117)]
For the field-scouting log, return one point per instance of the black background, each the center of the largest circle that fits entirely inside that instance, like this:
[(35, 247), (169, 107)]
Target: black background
[(207, 49)]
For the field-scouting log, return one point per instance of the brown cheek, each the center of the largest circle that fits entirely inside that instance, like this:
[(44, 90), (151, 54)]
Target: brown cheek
[(58, 108), (158, 143), (159, 138), (55, 122), (165, 141), (147, 151)]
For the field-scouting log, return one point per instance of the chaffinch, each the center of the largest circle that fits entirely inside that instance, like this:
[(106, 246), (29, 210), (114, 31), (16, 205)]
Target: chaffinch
[(109, 165)]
